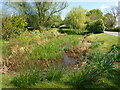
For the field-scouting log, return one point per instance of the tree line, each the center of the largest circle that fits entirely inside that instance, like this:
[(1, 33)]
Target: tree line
[(20, 16)]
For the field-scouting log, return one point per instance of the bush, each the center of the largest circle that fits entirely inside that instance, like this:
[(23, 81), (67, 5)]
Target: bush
[(96, 26), (28, 78), (13, 26), (116, 29)]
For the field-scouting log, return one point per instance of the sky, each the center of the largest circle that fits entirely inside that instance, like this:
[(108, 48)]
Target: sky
[(89, 6)]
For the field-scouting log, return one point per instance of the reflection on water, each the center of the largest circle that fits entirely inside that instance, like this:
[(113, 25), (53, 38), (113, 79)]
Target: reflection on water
[(69, 61)]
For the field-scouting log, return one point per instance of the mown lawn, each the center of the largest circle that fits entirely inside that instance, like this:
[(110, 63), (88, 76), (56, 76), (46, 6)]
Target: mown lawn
[(108, 41)]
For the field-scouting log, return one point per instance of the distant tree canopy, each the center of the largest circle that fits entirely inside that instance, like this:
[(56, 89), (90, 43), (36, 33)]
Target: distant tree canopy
[(30, 15), (76, 18), (38, 13), (109, 20), (95, 14), (112, 16)]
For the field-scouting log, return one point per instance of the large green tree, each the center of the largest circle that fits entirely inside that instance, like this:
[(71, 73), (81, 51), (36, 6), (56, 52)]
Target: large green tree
[(39, 13), (76, 18), (95, 14)]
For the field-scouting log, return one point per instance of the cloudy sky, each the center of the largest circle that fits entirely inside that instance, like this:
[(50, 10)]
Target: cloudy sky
[(92, 4)]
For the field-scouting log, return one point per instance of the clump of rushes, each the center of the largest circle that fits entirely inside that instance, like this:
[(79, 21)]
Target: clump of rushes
[(98, 66), (28, 78), (54, 73)]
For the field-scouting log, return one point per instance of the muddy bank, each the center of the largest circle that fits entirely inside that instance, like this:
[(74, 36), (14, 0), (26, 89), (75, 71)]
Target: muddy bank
[(72, 56)]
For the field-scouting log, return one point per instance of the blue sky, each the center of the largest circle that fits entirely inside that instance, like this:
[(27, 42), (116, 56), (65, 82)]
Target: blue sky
[(89, 6)]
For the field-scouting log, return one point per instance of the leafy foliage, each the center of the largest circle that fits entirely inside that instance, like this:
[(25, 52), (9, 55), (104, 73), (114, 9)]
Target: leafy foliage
[(76, 19), (113, 29), (13, 26), (109, 20), (95, 14), (54, 22), (96, 26), (38, 13)]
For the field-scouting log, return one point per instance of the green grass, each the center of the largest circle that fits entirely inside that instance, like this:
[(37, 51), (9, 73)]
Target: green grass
[(6, 81), (53, 48), (108, 41), (47, 84)]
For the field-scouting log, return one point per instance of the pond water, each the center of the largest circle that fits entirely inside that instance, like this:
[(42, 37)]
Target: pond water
[(68, 60)]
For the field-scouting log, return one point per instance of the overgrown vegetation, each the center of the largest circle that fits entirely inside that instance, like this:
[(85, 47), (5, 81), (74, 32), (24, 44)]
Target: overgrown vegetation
[(96, 26), (40, 50)]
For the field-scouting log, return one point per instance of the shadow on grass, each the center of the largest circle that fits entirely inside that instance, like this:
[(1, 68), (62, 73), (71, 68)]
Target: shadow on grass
[(69, 32)]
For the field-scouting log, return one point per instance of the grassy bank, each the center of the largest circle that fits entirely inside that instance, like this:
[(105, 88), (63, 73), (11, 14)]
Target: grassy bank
[(98, 69), (104, 41)]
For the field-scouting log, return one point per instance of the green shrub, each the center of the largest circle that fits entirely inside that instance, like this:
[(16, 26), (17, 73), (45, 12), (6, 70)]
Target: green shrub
[(27, 78), (116, 29), (96, 26), (13, 26)]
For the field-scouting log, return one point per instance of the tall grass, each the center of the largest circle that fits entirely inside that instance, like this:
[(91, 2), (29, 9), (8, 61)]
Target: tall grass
[(28, 47), (98, 66), (54, 73), (27, 78)]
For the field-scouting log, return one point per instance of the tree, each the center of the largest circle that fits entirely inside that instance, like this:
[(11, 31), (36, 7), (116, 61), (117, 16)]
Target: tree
[(109, 20), (43, 11), (95, 14), (55, 21), (115, 11), (76, 19)]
